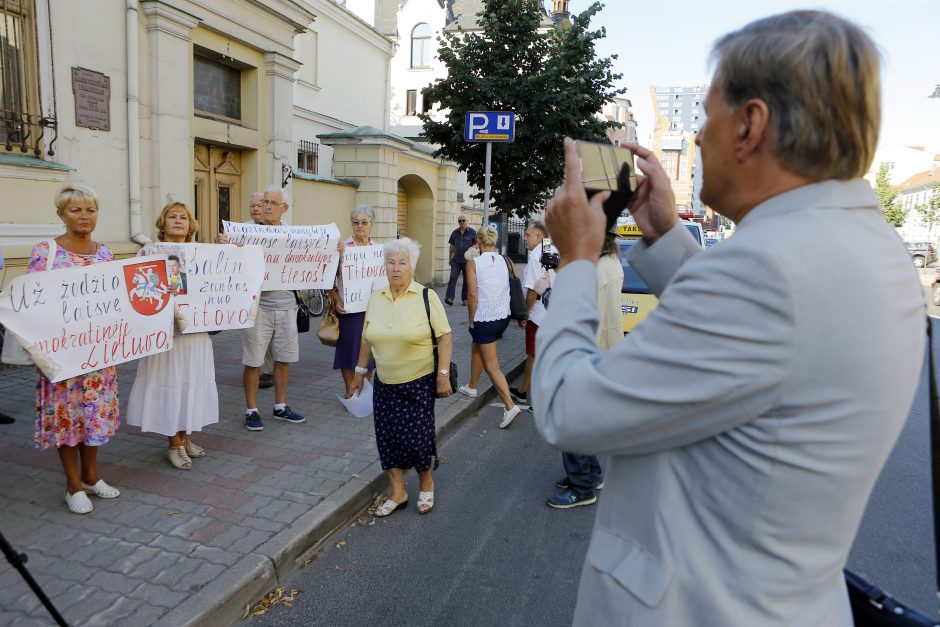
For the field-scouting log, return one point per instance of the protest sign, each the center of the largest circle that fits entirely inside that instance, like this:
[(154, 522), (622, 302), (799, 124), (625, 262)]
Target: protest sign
[(295, 257), (77, 320), (216, 285), (363, 272)]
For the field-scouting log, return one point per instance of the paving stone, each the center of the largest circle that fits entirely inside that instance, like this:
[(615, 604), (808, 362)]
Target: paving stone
[(182, 567), (160, 596), (174, 544), (146, 614), (117, 611), (195, 581), (215, 555), (159, 564)]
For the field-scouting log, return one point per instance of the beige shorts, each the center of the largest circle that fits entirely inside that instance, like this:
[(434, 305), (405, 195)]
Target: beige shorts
[(277, 327)]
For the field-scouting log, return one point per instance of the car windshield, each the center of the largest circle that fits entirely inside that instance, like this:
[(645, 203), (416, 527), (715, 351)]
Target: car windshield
[(632, 282)]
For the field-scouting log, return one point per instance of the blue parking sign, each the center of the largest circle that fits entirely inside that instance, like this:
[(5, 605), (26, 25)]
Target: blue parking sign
[(489, 126)]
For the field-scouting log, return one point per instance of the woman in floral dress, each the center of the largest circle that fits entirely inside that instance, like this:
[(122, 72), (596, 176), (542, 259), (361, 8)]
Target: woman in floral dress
[(79, 414)]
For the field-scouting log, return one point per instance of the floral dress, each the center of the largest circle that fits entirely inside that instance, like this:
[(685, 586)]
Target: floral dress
[(83, 409)]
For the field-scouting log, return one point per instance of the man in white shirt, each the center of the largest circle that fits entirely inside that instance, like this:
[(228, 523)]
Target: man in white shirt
[(534, 271)]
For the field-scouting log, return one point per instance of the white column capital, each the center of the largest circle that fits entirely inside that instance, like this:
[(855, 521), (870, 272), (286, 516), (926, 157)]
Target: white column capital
[(281, 66), (165, 18)]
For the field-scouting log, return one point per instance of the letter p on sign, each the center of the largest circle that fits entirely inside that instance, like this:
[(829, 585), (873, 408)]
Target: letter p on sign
[(476, 122)]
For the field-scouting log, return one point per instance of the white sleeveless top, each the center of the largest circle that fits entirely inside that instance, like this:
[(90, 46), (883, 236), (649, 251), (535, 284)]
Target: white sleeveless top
[(492, 287)]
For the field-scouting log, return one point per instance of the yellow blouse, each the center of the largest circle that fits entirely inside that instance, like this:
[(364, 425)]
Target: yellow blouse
[(399, 333)]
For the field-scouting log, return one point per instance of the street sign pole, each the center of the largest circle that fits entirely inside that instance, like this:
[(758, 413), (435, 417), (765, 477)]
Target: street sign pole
[(486, 183)]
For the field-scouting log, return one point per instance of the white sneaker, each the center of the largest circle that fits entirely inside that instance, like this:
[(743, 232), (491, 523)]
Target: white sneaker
[(469, 391), (509, 415)]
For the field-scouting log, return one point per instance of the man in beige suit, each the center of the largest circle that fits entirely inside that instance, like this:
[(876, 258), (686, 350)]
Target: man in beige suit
[(749, 415)]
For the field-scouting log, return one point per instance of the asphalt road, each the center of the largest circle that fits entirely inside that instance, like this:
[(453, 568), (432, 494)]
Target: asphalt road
[(490, 553)]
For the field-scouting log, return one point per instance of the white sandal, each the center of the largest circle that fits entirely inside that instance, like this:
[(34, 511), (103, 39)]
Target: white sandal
[(193, 449), (425, 499), (389, 507), (78, 503), (178, 458), (102, 490)]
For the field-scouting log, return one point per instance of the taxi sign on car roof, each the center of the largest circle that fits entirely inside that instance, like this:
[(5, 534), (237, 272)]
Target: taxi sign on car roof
[(629, 230)]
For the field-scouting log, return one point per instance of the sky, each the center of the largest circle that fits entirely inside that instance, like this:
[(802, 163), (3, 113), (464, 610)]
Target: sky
[(667, 42)]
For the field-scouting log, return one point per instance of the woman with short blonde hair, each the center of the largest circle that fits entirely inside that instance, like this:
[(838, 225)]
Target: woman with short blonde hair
[(174, 392)]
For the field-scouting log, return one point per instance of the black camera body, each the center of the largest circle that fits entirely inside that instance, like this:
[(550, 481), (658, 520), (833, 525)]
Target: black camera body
[(549, 260)]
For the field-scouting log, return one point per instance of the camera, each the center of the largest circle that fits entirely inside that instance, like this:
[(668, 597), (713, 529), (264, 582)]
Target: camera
[(549, 258), (608, 168)]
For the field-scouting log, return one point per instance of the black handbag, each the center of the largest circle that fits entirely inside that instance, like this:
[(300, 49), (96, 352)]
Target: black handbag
[(872, 606), (303, 315), (452, 371), (518, 310)]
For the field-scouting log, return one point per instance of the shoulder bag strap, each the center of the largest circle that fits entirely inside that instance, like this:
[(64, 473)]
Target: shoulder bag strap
[(512, 271), (427, 309), (50, 257), (934, 443)]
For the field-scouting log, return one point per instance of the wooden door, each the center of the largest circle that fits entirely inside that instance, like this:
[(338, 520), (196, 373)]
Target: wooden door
[(216, 189)]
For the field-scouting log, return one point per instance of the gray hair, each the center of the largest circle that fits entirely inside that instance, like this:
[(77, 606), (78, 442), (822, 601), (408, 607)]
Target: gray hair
[(277, 189), (819, 76), (72, 192), (403, 246), (255, 194), (540, 226), (364, 210)]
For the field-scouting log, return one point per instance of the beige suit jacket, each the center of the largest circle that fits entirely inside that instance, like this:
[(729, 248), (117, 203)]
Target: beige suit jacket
[(747, 417)]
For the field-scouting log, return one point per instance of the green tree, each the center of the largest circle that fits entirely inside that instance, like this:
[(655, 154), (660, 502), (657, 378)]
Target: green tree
[(930, 213), (552, 80), (891, 208)]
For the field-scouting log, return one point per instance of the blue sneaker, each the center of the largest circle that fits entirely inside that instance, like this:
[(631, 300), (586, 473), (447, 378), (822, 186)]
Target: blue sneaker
[(567, 499), (288, 415), (253, 422)]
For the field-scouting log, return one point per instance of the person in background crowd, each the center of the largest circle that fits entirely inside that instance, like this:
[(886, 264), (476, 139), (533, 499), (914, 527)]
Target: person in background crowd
[(256, 210), (397, 333), (461, 239), (350, 324), (77, 415), (488, 313), (4, 419), (534, 234), (745, 421), (276, 324), (174, 393), (583, 474)]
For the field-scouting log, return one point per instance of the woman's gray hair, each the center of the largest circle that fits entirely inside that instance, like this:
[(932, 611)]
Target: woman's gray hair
[(72, 192), (403, 246), (362, 210), (819, 76)]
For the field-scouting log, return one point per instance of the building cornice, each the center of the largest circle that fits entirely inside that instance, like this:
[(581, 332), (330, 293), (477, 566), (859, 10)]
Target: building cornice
[(346, 18), (164, 18), (277, 64)]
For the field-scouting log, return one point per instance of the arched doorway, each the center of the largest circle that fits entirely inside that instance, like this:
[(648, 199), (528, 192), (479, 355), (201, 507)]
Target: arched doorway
[(416, 221)]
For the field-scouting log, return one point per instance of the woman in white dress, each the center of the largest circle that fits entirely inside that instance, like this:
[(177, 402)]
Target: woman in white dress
[(175, 392)]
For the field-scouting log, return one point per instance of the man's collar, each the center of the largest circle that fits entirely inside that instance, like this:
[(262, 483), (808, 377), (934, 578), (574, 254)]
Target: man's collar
[(854, 193)]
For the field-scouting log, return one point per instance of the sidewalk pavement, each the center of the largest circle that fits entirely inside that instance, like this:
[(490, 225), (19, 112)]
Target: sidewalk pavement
[(194, 547)]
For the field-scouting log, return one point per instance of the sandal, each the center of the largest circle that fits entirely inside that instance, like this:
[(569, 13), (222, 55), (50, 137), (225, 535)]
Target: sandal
[(101, 489), (389, 507), (426, 500), (178, 458), (193, 449), (78, 503)]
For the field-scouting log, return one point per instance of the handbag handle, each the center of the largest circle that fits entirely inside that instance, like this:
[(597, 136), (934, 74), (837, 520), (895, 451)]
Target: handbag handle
[(427, 309), (509, 266), (934, 444)]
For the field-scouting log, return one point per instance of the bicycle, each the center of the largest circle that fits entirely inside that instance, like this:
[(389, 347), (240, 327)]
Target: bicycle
[(315, 300)]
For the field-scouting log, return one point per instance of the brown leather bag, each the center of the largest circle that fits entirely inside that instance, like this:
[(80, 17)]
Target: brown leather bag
[(328, 331)]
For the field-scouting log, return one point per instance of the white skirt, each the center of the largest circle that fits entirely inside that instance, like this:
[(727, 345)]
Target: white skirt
[(175, 390)]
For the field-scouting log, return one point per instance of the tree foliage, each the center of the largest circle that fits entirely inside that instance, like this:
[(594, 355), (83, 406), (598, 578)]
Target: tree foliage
[(552, 80), (891, 207), (930, 213)]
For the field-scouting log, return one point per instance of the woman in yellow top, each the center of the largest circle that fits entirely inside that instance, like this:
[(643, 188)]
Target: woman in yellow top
[(397, 332)]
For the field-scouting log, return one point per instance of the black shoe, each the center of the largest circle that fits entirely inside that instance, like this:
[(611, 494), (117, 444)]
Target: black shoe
[(266, 381), (519, 397), (449, 301), (568, 499), (6, 420), (564, 485)]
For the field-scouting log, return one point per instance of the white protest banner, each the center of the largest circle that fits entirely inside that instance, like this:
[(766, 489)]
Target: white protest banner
[(216, 285), (363, 272), (77, 320), (295, 257)]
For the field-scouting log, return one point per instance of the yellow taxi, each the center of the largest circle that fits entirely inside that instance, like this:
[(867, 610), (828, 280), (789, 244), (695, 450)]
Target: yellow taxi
[(636, 299)]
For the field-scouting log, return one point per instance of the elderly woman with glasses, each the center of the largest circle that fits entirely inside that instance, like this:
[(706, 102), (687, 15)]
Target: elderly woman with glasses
[(350, 324), (398, 328)]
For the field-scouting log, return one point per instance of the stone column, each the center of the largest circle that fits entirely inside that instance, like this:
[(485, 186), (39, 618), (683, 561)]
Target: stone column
[(279, 76), (445, 217), (169, 170)]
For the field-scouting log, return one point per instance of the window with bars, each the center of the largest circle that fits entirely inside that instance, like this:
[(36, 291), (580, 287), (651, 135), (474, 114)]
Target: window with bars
[(308, 157), (22, 121)]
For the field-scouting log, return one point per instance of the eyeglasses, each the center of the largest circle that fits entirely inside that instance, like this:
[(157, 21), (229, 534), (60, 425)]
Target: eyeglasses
[(272, 202), (361, 222), (461, 220)]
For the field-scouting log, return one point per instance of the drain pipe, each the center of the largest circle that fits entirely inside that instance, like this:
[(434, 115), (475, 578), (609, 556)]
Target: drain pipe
[(133, 124)]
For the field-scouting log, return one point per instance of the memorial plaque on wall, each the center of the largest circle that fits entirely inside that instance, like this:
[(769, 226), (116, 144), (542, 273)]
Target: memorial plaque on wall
[(92, 92)]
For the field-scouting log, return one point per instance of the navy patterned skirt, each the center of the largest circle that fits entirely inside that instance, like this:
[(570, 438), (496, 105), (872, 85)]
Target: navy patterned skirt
[(404, 423)]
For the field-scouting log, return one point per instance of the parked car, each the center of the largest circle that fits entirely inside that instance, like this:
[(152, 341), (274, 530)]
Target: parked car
[(711, 241), (935, 290), (923, 253), (636, 299)]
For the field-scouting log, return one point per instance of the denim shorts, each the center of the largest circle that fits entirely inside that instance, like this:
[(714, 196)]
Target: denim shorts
[(488, 332)]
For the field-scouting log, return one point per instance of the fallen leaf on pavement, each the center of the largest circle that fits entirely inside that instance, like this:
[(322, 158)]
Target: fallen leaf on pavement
[(173, 513), (340, 545), (271, 599)]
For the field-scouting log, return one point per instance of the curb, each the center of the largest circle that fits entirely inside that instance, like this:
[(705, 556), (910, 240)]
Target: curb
[(222, 602)]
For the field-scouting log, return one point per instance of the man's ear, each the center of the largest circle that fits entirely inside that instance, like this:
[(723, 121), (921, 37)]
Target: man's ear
[(753, 119)]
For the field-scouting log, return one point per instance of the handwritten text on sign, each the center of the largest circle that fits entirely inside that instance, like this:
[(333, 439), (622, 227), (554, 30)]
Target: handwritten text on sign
[(363, 272), (295, 257), (78, 320), (216, 285)]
